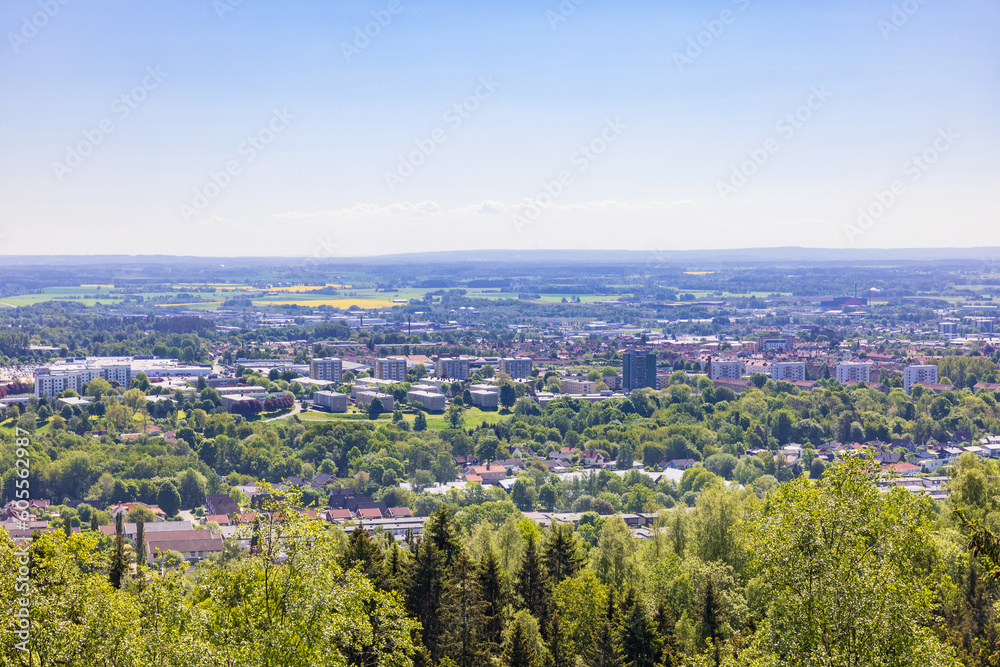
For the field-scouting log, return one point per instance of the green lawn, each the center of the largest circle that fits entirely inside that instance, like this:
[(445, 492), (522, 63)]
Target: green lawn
[(473, 418)]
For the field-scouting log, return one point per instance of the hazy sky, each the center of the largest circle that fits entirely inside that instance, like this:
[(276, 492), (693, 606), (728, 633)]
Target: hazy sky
[(253, 127)]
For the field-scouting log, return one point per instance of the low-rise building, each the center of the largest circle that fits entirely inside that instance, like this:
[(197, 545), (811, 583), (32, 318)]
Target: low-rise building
[(485, 399), (331, 401), (363, 398), (429, 400)]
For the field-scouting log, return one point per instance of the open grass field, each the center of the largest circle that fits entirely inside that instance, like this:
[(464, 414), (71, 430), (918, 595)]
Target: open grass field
[(473, 418)]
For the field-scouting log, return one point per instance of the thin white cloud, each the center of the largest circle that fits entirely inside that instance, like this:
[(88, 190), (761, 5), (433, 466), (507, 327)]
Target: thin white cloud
[(485, 207)]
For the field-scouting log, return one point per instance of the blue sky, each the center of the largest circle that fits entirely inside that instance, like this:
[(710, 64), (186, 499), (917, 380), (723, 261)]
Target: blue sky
[(591, 125)]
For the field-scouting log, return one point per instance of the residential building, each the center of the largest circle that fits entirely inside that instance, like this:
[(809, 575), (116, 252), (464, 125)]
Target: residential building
[(719, 369), (77, 372), (854, 372), (390, 368), (485, 399), (363, 398), (516, 367), (578, 385), (330, 400), (919, 374), (433, 401), (638, 370), (329, 369), (790, 371), (948, 328), (454, 368)]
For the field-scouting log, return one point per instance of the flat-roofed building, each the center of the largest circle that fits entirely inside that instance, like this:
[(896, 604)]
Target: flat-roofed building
[(719, 369), (454, 368), (485, 399), (329, 369), (919, 375), (578, 386), (363, 398), (429, 401), (330, 400), (516, 367), (790, 371), (854, 372), (638, 370), (390, 368)]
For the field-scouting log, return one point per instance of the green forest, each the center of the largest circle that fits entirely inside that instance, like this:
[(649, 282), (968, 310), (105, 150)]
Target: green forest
[(817, 572)]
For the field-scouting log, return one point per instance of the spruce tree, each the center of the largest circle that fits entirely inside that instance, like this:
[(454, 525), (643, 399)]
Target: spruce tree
[(493, 586), (560, 653), (462, 614), (363, 553), (519, 652), (424, 594), (533, 582), (93, 520), (639, 642), (666, 625), (442, 530), (562, 557)]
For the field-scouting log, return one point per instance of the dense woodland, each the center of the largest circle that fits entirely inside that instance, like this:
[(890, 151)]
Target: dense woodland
[(752, 561)]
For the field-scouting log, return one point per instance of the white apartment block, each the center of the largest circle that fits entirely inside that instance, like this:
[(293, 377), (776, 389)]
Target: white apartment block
[(519, 367), (326, 369), (455, 368), (578, 386), (854, 371), (791, 371), (390, 369), (77, 373), (919, 374), (725, 370)]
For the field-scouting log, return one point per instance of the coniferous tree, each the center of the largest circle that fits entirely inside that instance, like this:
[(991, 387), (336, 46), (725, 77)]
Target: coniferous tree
[(425, 593), (140, 542), (443, 531), (605, 651), (666, 624), (119, 561), (640, 645), (562, 557), (67, 528), (93, 520), (462, 614), (710, 611), (493, 587), (560, 653), (363, 553), (519, 652), (533, 582)]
